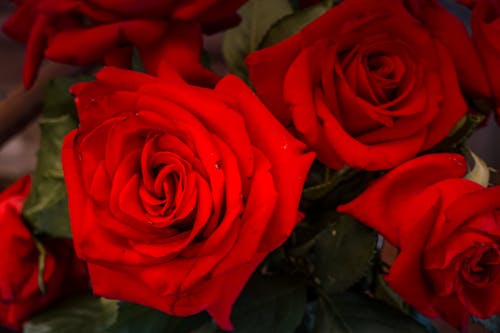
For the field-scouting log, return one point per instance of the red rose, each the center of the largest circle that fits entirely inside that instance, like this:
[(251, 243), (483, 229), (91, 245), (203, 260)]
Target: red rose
[(177, 192), (365, 85), (450, 31), (485, 24), (83, 32), (20, 294), (447, 229)]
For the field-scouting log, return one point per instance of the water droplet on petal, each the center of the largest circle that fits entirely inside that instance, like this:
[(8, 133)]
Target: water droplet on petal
[(92, 103), (218, 165), (285, 146)]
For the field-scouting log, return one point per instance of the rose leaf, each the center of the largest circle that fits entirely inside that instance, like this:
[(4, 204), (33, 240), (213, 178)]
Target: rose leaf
[(344, 253), (134, 318), (270, 304), (82, 314), (257, 17), (291, 24), (46, 208), (360, 313)]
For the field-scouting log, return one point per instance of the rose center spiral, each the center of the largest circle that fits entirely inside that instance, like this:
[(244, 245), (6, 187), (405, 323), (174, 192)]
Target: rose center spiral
[(481, 265)]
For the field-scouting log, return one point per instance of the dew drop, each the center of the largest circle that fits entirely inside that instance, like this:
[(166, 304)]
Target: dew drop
[(92, 103), (218, 165), (285, 146)]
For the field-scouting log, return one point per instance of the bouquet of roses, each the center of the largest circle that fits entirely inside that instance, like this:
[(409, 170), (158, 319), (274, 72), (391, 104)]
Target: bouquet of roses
[(171, 196)]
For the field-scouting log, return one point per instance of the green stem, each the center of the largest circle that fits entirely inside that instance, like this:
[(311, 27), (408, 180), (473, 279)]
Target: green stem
[(330, 181), (41, 265)]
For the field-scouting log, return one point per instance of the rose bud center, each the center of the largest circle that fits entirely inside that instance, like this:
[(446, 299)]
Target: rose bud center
[(481, 266)]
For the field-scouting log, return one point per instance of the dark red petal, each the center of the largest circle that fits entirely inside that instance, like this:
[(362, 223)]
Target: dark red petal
[(289, 161), (351, 152), (474, 204), (452, 33), (453, 311), (407, 276), (482, 302), (263, 65), (230, 286), (384, 204), (453, 105), (179, 49), (96, 42), (35, 50)]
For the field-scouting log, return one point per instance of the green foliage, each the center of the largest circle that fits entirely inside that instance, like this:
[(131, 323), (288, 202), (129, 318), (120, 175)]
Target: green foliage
[(137, 64), (330, 179), (133, 318), (46, 208), (270, 304), (362, 314), (257, 17), (384, 293), (291, 24), (344, 253), (328, 318), (83, 314)]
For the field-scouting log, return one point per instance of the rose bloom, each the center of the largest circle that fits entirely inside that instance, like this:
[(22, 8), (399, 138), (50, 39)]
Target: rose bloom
[(447, 229), (485, 23), (83, 32), (367, 84), (177, 193), (20, 294)]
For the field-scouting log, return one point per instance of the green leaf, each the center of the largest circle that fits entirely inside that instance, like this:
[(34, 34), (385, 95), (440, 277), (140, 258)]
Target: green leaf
[(364, 314), (46, 208), (137, 64), (209, 327), (205, 59), (82, 314), (269, 304), (328, 318), (257, 18), (42, 256), (344, 253), (133, 318), (292, 24), (330, 180), (385, 293)]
